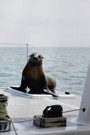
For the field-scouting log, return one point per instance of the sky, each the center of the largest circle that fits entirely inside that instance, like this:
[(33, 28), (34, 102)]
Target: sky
[(45, 23)]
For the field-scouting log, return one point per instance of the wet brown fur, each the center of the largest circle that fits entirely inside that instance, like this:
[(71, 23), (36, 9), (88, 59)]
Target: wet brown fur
[(33, 75)]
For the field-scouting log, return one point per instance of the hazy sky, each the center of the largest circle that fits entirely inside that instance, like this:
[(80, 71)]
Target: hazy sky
[(45, 22)]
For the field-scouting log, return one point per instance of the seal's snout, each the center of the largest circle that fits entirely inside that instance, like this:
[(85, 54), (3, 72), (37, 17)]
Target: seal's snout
[(35, 57)]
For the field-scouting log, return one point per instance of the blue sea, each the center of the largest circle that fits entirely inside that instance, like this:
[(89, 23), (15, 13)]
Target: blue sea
[(68, 66)]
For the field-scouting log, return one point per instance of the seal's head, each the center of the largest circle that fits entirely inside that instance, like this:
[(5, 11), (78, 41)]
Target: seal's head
[(35, 59)]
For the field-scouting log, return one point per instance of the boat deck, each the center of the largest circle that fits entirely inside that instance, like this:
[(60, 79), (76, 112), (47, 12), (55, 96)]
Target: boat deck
[(24, 108)]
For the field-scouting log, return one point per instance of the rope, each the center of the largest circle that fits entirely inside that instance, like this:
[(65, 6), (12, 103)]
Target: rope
[(13, 126), (11, 44), (29, 45), (83, 109), (3, 113), (6, 117), (45, 52), (28, 120)]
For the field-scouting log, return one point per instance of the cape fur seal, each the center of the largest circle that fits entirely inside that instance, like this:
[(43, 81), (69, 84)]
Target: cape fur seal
[(34, 78)]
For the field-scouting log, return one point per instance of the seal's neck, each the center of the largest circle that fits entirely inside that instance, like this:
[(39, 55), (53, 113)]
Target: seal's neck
[(33, 72), (36, 72)]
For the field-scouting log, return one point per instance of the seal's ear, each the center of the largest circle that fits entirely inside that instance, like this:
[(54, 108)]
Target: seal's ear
[(30, 55)]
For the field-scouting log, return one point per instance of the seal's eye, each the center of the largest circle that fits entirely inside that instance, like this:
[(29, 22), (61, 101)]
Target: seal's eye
[(32, 56), (39, 56)]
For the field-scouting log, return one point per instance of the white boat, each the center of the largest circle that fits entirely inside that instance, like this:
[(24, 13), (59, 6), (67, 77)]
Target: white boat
[(24, 106)]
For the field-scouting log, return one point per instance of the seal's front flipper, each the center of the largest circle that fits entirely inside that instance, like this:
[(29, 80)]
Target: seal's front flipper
[(18, 88), (22, 87), (15, 88)]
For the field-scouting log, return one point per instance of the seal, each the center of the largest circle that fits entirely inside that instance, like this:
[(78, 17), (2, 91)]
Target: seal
[(34, 77)]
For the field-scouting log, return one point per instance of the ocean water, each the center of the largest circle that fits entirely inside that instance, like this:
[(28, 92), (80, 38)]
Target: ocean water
[(68, 66)]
